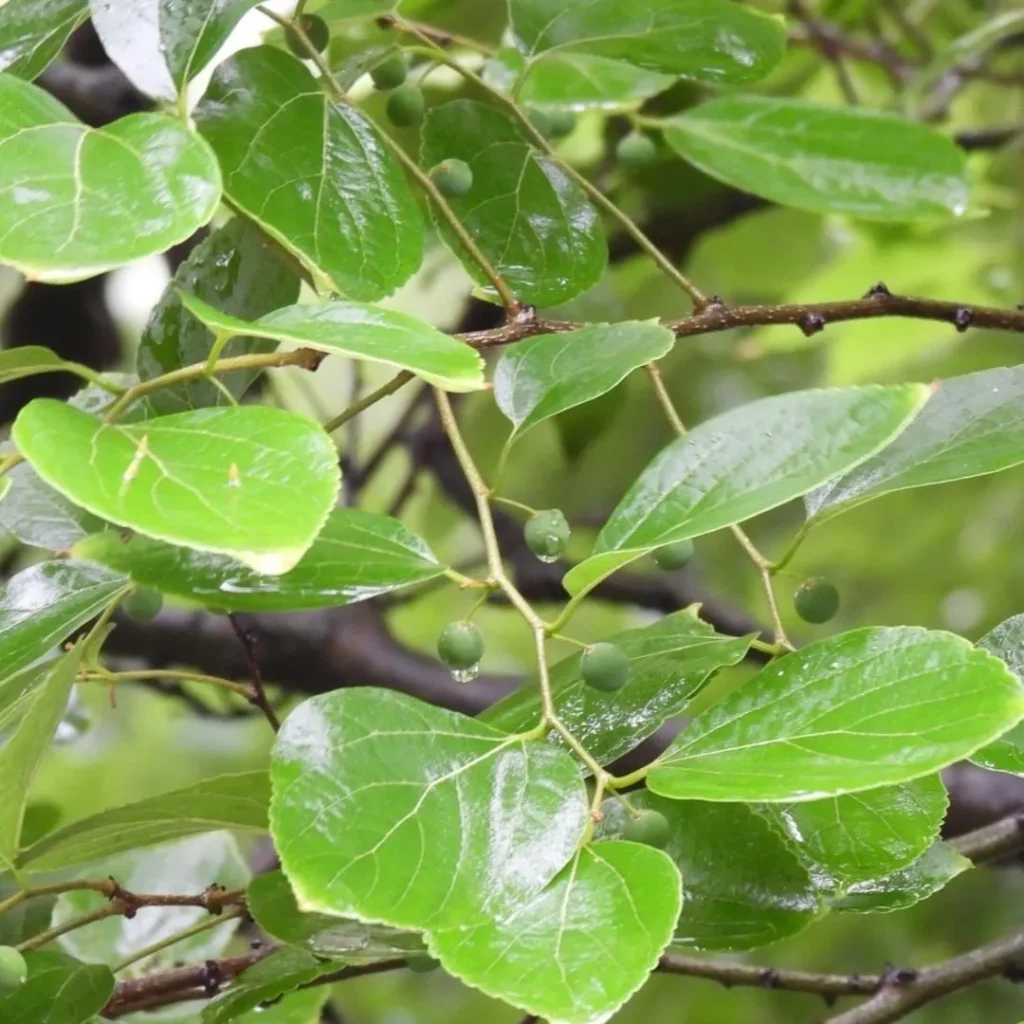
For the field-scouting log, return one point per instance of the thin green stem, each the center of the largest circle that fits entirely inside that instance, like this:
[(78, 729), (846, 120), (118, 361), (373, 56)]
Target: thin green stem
[(437, 35), (465, 581), (569, 640), (625, 781), (204, 925), (664, 399), (512, 503), (90, 375), (399, 380), (476, 606), (787, 556), (220, 342), (103, 676), (54, 889), (8, 462), (70, 925)]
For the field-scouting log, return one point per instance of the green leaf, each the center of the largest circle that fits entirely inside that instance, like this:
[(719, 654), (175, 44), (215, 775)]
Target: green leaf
[(744, 462), (542, 377), (236, 802), (182, 868), (390, 810), (76, 201), (37, 514), (360, 332), (313, 174), (1006, 641), (903, 888), (527, 216), (356, 556), (740, 892), (970, 426), (21, 754), (670, 661), (18, 692), (16, 363), (575, 952), (237, 267), (860, 836), (58, 990), (824, 159), (32, 33), (709, 41), (28, 918), (871, 707), (253, 482)]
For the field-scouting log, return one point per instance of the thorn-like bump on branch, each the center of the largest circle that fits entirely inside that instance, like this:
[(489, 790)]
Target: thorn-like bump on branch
[(963, 318), (812, 323), (878, 291)]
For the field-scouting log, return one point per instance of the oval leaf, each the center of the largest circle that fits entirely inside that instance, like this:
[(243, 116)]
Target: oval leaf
[(390, 810), (528, 217), (32, 33), (205, 478), (37, 514), (29, 360), (1006, 641), (76, 201), (314, 174), (871, 707), (58, 990), (824, 159)]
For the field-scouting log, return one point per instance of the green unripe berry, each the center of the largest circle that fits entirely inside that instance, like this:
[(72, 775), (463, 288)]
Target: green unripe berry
[(649, 827), (605, 667), (391, 74), (636, 150), (405, 106), (460, 645), (422, 964), (13, 969), (547, 534), (674, 556), (560, 123), (452, 177), (316, 31), (816, 600), (143, 604)]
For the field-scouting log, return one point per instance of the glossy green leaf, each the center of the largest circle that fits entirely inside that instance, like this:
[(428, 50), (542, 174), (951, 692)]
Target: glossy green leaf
[(17, 693), (360, 332), (971, 426), (903, 888), (541, 377), (669, 660), (21, 754), (575, 952), (527, 216), (390, 810), (743, 884), (58, 990), (28, 918), (871, 707), (860, 836), (76, 201), (182, 868), (238, 269), (711, 41), (205, 478), (28, 360), (314, 174), (1006, 641), (32, 33), (37, 514), (824, 159), (744, 462), (237, 802), (356, 556)]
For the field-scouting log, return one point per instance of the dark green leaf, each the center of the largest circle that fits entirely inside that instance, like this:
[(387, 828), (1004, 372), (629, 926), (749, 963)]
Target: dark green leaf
[(868, 708), (1006, 641), (205, 478), (59, 990), (390, 810), (39, 515), (237, 269), (824, 159), (314, 174), (527, 216), (76, 201), (28, 918), (32, 33)]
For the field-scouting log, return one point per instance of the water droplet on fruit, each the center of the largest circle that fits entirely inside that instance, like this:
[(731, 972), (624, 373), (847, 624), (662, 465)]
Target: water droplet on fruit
[(466, 675), (548, 558)]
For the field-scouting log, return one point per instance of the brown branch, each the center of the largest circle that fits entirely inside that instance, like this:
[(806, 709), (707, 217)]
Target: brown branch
[(828, 48), (991, 842), (247, 639)]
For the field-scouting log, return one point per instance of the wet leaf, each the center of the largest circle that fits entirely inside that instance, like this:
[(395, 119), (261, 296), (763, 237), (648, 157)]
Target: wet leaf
[(32, 33), (1006, 641), (37, 514), (59, 990)]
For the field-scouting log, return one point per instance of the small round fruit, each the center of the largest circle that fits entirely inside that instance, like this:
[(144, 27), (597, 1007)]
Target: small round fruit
[(816, 600), (605, 667), (143, 604), (674, 556), (13, 969), (649, 827), (422, 964), (391, 74), (460, 645), (636, 150), (541, 120), (405, 106), (452, 177), (316, 31), (560, 123), (547, 533)]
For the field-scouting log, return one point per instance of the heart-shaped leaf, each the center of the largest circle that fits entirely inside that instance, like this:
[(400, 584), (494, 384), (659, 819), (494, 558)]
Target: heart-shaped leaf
[(871, 707), (390, 810), (1006, 641), (32, 33), (59, 990), (824, 159), (577, 951), (252, 482), (314, 174), (528, 217), (744, 462), (76, 201), (360, 332)]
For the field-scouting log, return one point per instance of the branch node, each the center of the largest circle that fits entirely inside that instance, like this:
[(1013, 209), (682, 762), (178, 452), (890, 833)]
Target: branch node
[(714, 305), (211, 977), (524, 315), (812, 323), (878, 291), (770, 978), (963, 318)]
